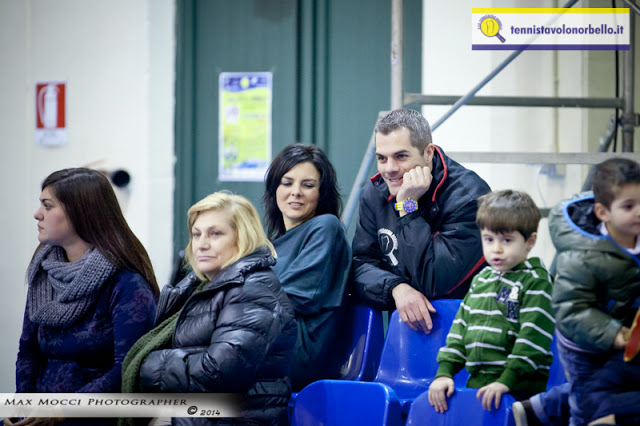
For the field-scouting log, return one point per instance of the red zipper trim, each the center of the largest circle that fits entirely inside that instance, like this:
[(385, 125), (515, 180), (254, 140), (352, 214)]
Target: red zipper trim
[(466, 277)]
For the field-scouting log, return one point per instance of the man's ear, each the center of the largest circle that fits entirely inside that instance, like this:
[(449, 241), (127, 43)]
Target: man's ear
[(531, 241), (601, 212), (429, 151)]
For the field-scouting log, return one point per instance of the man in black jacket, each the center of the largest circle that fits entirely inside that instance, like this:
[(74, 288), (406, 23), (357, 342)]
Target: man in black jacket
[(416, 238)]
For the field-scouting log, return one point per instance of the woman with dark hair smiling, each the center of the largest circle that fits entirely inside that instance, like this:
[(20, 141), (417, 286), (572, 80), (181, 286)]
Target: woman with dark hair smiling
[(302, 204), (92, 292)]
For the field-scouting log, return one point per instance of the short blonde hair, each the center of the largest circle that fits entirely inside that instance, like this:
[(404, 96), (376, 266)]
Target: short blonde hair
[(243, 218)]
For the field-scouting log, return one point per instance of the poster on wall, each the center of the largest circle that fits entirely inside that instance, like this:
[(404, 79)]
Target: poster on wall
[(50, 112), (244, 130)]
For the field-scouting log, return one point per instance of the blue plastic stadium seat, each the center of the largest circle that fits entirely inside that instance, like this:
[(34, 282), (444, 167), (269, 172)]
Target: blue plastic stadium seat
[(464, 409), (346, 403), (408, 363), (407, 368), (359, 346)]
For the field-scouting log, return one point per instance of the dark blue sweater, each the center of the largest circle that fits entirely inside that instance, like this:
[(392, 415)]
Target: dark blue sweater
[(87, 356), (313, 266)]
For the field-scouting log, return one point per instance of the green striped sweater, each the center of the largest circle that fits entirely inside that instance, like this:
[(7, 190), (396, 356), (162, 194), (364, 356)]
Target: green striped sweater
[(503, 330)]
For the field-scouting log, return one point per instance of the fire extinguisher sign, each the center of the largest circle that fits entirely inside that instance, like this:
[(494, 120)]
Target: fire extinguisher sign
[(50, 109)]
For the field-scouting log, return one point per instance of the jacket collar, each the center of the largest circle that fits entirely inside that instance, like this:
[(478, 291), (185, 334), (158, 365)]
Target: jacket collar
[(261, 258), (440, 172)]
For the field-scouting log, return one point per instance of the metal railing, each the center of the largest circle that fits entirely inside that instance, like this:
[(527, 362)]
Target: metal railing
[(628, 120)]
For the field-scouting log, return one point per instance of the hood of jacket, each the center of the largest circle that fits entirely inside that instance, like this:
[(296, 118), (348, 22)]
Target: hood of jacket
[(573, 224), (175, 296)]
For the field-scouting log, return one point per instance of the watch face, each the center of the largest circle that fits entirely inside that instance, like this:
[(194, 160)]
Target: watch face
[(409, 205)]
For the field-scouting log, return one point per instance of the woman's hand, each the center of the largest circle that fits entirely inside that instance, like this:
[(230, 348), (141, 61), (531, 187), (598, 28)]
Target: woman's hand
[(441, 389), (493, 391)]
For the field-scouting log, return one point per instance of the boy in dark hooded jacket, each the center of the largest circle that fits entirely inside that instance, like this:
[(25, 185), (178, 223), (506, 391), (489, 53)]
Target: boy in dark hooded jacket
[(597, 292)]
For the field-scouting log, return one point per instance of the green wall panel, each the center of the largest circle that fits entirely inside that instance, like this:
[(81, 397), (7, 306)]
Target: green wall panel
[(331, 76)]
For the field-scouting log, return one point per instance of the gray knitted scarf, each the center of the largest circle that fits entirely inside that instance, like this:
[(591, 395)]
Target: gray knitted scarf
[(61, 291)]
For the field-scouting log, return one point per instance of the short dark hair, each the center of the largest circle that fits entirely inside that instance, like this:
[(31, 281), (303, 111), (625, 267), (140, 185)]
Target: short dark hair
[(91, 206), (413, 121), (610, 176), (329, 201), (508, 211)]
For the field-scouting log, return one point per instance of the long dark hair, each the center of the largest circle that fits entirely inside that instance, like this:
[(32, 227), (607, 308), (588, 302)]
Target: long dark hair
[(92, 208), (329, 201)]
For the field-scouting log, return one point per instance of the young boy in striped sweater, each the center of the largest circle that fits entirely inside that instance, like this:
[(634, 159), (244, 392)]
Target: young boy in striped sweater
[(503, 330)]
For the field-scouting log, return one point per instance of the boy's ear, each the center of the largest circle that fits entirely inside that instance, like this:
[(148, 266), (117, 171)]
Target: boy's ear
[(601, 212), (531, 241)]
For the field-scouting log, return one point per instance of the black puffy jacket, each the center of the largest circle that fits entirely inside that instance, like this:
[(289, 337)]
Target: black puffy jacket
[(237, 335)]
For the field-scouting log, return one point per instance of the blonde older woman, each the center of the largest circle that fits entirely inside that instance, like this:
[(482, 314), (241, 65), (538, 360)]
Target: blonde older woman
[(227, 327)]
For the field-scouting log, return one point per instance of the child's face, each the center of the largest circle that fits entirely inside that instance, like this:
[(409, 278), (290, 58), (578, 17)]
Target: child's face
[(504, 251), (623, 217)]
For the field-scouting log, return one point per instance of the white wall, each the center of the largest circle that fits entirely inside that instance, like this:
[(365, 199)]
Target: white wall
[(117, 58), (450, 67)]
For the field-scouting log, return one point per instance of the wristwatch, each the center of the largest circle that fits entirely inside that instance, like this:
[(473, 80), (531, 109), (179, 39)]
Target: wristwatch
[(409, 205)]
